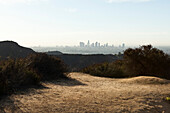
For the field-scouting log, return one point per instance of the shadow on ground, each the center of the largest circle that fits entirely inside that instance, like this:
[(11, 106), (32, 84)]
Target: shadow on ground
[(7, 103), (66, 82)]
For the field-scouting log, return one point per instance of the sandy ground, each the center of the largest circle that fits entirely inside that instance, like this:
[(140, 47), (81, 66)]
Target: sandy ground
[(85, 93)]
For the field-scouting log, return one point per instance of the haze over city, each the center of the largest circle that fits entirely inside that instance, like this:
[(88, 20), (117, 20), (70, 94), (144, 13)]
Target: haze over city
[(68, 22)]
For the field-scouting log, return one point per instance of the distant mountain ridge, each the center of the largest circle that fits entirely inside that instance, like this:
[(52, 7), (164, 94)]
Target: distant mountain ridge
[(76, 62), (11, 49)]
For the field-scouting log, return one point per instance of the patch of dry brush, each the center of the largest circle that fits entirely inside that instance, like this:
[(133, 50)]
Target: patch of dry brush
[(29, 71)]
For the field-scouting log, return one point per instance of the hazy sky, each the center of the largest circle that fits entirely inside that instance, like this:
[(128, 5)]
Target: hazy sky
[(67, 22)]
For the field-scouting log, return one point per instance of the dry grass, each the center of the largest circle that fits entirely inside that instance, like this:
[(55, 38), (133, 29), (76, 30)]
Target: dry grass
[(145, 80), (85, 93)]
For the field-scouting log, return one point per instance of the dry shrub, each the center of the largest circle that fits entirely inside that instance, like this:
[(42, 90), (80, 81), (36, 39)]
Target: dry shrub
[(49, 67), (112, 70), (147, 61), (29, 71), (14, 74)]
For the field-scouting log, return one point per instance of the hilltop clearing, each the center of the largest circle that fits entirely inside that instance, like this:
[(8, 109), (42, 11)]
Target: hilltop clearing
[(86, 93)]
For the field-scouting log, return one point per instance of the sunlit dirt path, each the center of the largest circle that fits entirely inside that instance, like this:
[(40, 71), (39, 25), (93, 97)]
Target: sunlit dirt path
[(85, 93)]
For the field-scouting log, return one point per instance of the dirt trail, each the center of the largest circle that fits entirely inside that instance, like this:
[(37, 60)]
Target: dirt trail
[(85, 93)]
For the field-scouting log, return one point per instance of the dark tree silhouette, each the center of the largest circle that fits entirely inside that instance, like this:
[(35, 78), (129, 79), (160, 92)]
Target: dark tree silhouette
[(147, 60)]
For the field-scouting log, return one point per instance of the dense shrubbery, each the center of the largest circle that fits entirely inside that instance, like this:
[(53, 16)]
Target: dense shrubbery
[(113, 70), (29, 71), (14, 73), (145, 60), (49, 67)]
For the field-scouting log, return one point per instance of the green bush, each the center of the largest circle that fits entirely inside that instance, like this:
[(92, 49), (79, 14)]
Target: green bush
[(147, 61), (112, 70)]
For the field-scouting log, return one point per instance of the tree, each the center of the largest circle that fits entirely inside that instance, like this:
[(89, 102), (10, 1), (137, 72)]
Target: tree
[(147, 60)]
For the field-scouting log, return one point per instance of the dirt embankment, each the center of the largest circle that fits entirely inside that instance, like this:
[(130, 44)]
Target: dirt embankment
[(85, 93)]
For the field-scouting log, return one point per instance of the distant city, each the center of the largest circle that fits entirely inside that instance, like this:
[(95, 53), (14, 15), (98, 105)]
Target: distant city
[(92, 48), (97, 44), (85, 48)]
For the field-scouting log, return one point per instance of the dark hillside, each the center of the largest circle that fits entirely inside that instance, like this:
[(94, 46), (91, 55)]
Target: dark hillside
[(77, 62), (13, 50)]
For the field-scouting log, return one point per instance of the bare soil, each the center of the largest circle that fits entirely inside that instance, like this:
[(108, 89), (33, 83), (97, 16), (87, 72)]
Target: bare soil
[(86, 93)]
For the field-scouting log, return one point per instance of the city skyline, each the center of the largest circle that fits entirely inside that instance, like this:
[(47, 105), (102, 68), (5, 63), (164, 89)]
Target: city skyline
[(98, 44)]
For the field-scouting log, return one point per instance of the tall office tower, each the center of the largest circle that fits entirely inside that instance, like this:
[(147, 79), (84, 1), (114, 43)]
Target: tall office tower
[(92, 45), (107, 44), (123, 45), (82, 44), (88, 43), (96, 44)]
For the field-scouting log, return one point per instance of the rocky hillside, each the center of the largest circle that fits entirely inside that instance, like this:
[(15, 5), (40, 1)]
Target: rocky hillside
[(13, 50)]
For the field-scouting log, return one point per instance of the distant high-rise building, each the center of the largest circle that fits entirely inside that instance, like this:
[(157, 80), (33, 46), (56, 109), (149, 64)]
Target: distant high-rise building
[(107, 44), (92, 45), (123, 45), (82, 44), (88, 43), (96, 44)]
